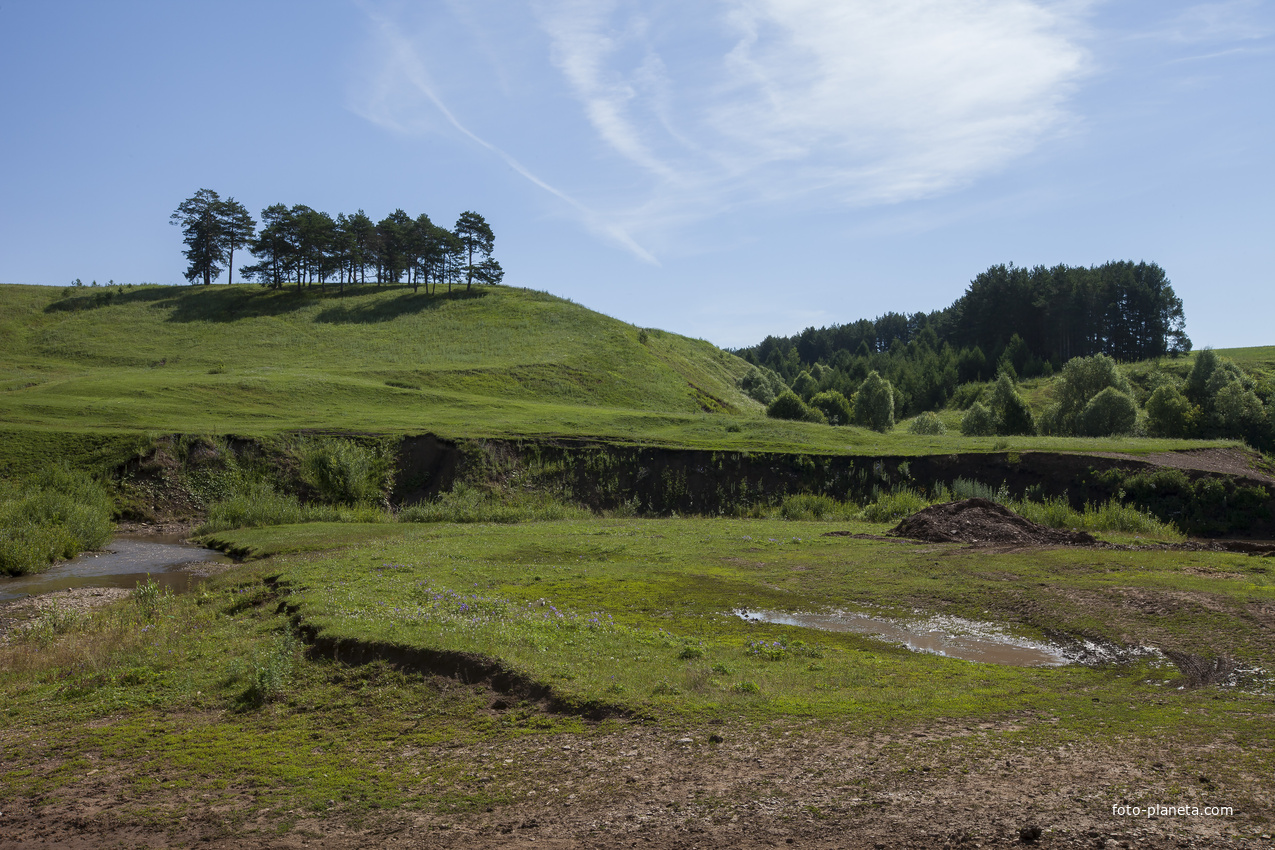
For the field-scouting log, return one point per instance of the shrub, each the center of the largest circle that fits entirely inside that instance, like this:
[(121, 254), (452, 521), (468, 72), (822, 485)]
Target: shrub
[(1225, 374), (1201, 371), (978, 421), (1171, 414), (788, 406), (345, 472), (1082, 380), (833, 405), (55, 514), (805, 386), (1238, 412), (874, 403), (1013, 416), (761, 384), (928, 423), (1109, 412)]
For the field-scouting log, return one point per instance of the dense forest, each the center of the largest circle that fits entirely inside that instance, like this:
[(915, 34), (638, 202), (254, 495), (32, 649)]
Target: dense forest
[(1026, 321), (1077, 323), (301, 245)]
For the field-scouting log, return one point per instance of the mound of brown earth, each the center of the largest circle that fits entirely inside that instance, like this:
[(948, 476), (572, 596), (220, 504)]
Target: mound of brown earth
[(979, 521)]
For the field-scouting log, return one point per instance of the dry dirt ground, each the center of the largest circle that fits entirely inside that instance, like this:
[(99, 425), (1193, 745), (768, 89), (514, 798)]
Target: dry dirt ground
[(961, 786), (20, 613), (1244, 464)]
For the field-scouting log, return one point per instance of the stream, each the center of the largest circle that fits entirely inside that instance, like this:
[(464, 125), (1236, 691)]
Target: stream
[(125, 562)]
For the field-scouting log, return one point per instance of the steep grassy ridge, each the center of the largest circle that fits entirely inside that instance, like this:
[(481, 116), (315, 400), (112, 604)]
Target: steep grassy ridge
[(243, 359)]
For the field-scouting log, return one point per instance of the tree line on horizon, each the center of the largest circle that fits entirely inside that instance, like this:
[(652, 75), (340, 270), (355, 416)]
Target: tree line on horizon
[(305, 246), (1027, 321)]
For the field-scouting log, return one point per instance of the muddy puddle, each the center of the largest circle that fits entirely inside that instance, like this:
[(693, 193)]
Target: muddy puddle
[(950, 636), (126, 560)]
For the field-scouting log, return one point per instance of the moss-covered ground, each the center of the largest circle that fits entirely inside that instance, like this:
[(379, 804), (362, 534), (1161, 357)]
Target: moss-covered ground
[(207, 717)]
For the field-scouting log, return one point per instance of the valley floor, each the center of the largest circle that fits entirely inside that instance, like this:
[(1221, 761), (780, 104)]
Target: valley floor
[(304, 699)]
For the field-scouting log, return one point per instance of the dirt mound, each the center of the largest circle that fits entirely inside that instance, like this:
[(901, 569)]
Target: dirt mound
[(979, 521)]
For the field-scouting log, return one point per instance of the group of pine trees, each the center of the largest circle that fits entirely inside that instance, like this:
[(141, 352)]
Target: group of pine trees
[(301, 245)]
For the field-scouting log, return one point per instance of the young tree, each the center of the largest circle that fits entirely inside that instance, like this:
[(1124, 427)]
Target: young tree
[(475, 234), (834, 406), (874, 403), (237, 228), (200, 219), (363, 231), (275, 247), (1171, 414), (395, 232), (489, 272)]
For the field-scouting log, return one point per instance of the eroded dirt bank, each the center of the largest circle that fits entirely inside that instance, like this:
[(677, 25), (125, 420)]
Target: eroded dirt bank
[(663, 481)]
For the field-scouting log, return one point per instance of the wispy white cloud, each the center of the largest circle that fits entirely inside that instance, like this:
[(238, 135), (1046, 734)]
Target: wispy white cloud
[(875, 101), (702, 108), (1226, 21), (401, 78)]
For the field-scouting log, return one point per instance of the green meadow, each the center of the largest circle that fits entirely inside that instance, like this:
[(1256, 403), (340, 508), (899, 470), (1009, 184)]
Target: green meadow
[(121, 363), (210, 700), (447, 663)]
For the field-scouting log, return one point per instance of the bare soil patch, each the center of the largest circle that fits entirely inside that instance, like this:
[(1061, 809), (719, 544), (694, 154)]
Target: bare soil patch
[(1237, 462), (18, 613), (982, 522), (798, 784)]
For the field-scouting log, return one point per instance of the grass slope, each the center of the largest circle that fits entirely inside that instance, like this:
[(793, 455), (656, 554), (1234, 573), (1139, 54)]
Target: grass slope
[(104, 366), (242, 359)]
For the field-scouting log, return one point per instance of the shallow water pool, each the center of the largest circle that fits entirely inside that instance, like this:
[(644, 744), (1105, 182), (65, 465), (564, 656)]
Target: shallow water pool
[(950, 636), (125, 562)]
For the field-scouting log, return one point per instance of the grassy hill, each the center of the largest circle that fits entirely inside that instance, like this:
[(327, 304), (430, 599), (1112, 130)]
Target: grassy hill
[(500, 362), (247, 360)]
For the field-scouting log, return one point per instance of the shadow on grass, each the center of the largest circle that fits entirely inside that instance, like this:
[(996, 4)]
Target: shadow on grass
[(249, 301), (352, 312)]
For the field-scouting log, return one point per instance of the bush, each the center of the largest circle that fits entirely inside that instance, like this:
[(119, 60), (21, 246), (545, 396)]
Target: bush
[(761, 384), (1109, 412), (56, 514), (928, 424), (1225, 374), (874, 403), (1238, 412), (345, 472), (1082, 380), (1013, 416), (978, 421), (788, 406), (805, 386), (1171, 414), (834, 406), (1198, 379)]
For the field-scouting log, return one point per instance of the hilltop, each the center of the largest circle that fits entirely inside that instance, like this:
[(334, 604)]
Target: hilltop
[(241, 359)]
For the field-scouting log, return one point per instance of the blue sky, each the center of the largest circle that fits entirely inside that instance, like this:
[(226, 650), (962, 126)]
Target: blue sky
[(725, 169)]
